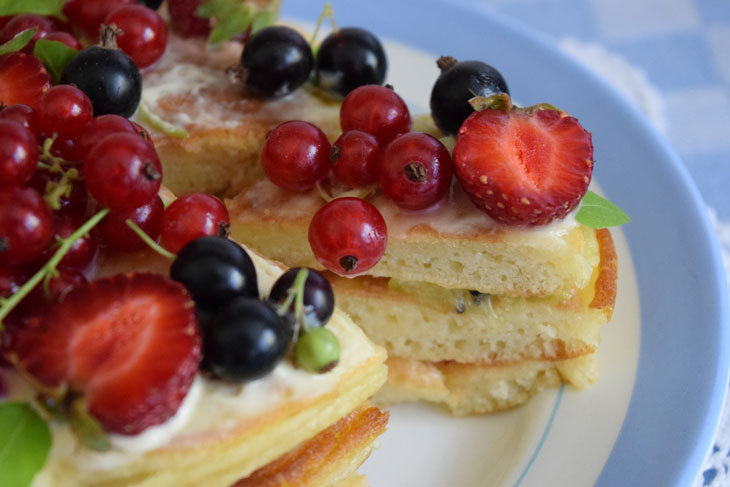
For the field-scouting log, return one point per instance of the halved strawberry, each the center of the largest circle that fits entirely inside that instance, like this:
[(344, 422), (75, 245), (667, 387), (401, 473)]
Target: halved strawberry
[(23, 79), (129, 344), (524, 166)]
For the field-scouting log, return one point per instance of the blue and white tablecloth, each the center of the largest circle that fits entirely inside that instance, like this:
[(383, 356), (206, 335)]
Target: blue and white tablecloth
[(671, 58)]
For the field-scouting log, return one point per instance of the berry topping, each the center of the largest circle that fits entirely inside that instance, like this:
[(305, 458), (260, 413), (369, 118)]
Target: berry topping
[(377, 110), (356, 158), (349, 58), (318, 297), (65, 38), (99, 128), (193, 216), (153, 4), (83, 250), (26, 225), (416, 171), (64, 110), (296, 155), (109, 78), (348, 236), (457, 84), (317, 351), (246, 340), (525, 166), (123, 171), (23, 79), (215, 270), (116, 234), (144, 33), (184, 20), (276, 61), (88, 15), (21, 22), (23, 115), (129, 344), (18, 153), (69, 196)]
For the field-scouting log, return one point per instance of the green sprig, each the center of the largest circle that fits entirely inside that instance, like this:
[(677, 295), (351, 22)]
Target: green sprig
[(148, 240), (18, 42), (55, 56), (49, 269)]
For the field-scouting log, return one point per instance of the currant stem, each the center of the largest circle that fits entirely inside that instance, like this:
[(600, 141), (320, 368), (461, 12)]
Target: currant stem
[(48, 270), (148, 240), (326, 12)]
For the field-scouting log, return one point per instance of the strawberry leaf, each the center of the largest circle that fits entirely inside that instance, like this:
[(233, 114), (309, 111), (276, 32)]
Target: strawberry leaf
[(40, 7), (24, 444), (18, 42), (597, 212), (55, 56)]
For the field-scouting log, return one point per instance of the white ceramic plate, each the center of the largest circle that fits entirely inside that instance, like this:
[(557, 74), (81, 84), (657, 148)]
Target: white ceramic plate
[(664, 357)]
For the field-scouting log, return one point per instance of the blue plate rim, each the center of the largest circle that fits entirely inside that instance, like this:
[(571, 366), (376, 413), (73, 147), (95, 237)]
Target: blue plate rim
[(639, 456)]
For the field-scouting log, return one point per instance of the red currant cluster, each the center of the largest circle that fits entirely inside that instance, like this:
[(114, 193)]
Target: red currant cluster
[(414, 170)]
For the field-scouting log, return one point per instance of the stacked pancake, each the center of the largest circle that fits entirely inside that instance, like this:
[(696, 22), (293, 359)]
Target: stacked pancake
[(290, 427), (474, 315)]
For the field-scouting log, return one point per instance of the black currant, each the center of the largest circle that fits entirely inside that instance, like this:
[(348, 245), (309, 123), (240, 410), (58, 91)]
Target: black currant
[(349, 58), (245, 340), (215, 270), (459, 81), (109, 78), (153, 4), (276, 61), (318, 297)]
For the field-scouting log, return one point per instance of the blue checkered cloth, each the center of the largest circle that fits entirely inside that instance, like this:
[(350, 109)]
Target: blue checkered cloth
[(683, 48)]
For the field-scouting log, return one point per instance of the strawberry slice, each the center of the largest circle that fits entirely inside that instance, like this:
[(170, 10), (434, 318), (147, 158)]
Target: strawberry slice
[(23, 79), (129, 344), (524, 166)]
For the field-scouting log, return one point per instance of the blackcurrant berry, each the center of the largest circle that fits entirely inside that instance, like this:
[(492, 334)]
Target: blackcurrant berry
[(459, 81), (109, 78), (215, 270), (318, 297), (245, 340), (276, 61), (153, 4), (349, 58)]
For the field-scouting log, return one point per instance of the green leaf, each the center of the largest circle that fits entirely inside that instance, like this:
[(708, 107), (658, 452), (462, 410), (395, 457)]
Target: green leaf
[(40, 7), (55, 56), (18, 42), (232, 17), (228, 26), (598, 212), (24, 444)]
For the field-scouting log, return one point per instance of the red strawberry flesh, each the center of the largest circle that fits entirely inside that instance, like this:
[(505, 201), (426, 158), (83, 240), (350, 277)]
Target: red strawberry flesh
[(23, 79), (525, 166), (129, 343)]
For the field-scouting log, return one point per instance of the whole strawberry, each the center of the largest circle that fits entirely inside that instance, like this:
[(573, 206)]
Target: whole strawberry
[(524, 166)]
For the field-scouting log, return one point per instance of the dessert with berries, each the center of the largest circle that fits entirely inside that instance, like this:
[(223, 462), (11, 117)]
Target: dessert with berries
[(455, 240), (139, 345)]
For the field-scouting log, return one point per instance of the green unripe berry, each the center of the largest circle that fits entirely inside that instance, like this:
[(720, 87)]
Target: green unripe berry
[(317, 350)]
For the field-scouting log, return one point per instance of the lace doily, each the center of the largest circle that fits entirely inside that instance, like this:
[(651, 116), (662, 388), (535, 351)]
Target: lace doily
[(634, 84)]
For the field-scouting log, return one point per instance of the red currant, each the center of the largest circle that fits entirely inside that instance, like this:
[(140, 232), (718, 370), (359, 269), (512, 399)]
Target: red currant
[(348, 236), (23, 115), (416, 171), (99, 128), (82, 251), (88, 15), (21, 22), (18, 154), (377, 110), (123, 171), (141, 131), (184, 20), (26, 225), (72, 203), (65, 148), (116, 234), (144, 35), (192, 216), (356, 159), (64, 110), (296, 155), (65, 38)]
